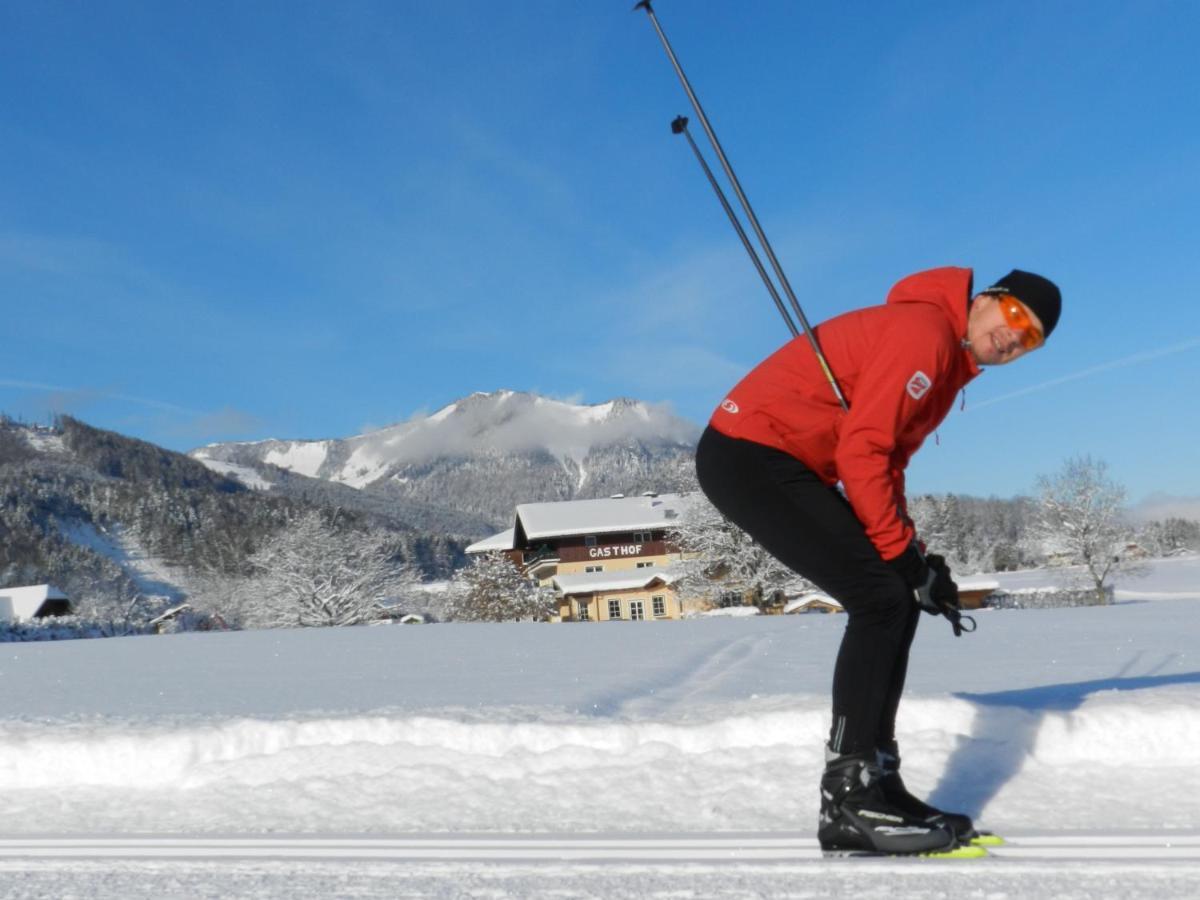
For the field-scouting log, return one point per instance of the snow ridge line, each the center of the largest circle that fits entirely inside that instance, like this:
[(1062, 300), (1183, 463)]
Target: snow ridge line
[(56, 755), (1116, 848), (36, 756)]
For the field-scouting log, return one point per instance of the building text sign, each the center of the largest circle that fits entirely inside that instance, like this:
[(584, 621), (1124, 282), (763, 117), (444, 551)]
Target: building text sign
[(615, 551)]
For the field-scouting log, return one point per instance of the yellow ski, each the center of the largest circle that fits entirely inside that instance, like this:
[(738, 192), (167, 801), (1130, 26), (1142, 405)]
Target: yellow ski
[(966, 851), (987, 839)]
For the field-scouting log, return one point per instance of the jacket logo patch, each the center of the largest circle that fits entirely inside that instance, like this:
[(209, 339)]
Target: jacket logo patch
[(918, 385), (729, 406)]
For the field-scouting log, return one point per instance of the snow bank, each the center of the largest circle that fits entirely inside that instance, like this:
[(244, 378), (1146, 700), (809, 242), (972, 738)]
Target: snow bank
[(706, 724), (1115, 759)]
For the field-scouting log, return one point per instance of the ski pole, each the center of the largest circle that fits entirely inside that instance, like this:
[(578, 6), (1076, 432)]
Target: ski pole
[(741, 195), (679, 126)]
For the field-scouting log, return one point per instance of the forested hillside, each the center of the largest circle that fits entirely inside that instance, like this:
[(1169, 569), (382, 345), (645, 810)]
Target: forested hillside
[(98, 514)]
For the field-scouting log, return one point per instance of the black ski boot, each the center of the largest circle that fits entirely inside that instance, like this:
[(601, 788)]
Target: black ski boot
[(857, 820), (894, 791)]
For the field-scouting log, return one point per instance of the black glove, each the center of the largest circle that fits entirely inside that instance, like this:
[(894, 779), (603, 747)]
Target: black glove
[(928, 577), (943, 591), (911, 566), (943, 595)]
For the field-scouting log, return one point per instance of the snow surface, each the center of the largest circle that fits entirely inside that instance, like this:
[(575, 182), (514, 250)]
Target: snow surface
[(45, 440), (152, 574), (302, 457), (1083, 720), (248, 476)]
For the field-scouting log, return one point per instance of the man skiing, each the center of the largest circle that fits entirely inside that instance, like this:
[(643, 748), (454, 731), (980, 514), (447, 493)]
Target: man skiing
[(771, 459)]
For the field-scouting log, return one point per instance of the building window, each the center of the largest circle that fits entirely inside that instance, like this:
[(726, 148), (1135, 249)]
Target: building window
[(582, 616), (730, 598), (591, 569), (637, 610), (645, 565), (660, 606), (614, 609), (642, 537), (589, 540)]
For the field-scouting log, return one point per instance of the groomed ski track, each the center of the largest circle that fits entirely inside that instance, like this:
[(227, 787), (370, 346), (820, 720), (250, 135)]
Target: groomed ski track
[(1129, 848), (720, 866)]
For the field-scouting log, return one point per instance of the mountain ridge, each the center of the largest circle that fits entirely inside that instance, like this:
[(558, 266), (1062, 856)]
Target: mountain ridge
[(482, 454)]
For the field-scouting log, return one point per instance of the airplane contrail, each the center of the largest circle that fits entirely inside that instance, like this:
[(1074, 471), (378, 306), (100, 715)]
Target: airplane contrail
[(59, 389), (1133, 360)]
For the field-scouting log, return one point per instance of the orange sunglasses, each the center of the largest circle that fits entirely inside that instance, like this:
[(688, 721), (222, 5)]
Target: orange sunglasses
[(1017, 317)]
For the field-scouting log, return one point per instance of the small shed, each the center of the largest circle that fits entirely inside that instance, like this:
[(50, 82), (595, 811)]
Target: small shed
[(812, 602), (973, 592), (21, 604)]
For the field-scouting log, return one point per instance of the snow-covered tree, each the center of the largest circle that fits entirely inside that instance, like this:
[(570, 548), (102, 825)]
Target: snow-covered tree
[(312, 573), (976, 534), (719, 557), (1080, 517), (492, 589), (1170, 536)]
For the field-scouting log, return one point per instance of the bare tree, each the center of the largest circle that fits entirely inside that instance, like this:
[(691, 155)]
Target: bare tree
[(719, 557), (310, 573), (492, 589), (1080, 517)]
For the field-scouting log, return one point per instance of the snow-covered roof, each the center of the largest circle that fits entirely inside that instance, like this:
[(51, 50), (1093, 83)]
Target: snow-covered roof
[(501, 541), (21, 603), (630, 579), (732, 612), (568, 517), (805, 599), (978, 584), (170, 613)]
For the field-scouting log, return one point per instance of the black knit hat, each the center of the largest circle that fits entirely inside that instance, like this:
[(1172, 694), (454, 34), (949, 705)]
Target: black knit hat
[(1040, 294)]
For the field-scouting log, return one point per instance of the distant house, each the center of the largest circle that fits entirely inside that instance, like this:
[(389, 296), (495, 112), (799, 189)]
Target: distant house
[(606, 559), (21, 604)]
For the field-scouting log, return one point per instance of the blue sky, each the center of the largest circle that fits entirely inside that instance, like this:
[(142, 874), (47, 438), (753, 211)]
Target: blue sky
[(234, 221)]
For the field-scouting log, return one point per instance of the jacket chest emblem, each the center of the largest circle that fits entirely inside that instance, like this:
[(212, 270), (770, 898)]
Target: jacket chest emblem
[(919, 385)]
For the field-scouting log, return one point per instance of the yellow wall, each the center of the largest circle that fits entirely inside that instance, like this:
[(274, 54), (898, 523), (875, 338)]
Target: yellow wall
[(597, 604), (627, 564)]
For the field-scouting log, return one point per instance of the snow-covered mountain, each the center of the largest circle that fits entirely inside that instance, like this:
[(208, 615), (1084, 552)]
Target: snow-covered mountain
[(485, 453)]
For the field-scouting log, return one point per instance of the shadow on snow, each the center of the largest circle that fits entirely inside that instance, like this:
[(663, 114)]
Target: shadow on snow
[(1006, 727)]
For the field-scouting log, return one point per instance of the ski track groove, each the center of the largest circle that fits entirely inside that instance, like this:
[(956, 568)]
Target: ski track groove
[(1113, 849), (694, 678)]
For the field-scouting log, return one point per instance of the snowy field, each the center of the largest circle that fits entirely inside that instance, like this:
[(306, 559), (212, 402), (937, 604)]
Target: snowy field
[(673, 759)]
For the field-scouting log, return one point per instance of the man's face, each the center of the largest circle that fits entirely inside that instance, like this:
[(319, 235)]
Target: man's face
[(993, 339)]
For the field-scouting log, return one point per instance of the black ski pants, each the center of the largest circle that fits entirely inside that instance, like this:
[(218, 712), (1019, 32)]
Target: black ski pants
[(812, 529)]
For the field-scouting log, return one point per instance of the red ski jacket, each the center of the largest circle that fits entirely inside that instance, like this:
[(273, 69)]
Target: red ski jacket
[(899, 365)]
